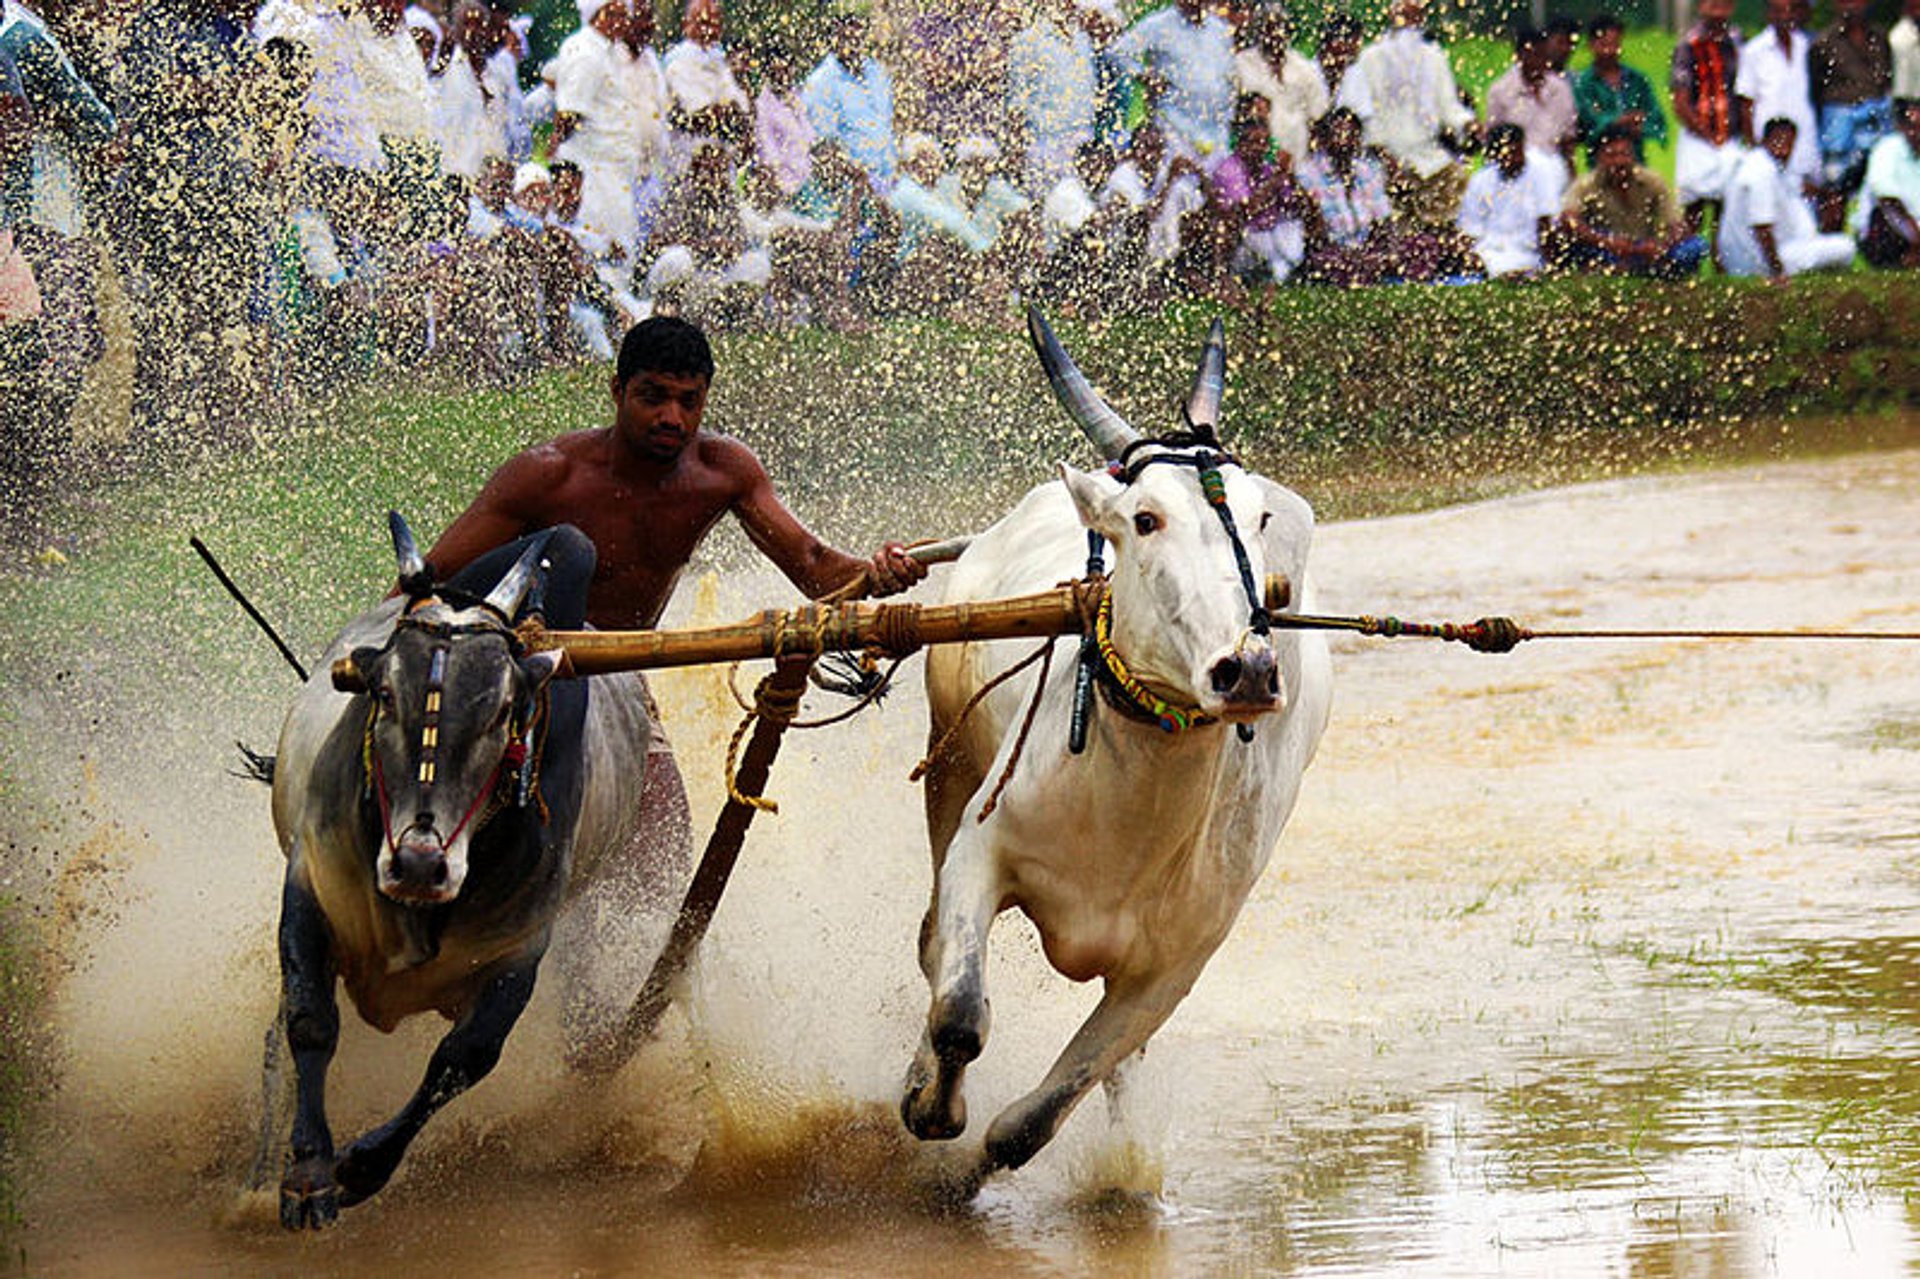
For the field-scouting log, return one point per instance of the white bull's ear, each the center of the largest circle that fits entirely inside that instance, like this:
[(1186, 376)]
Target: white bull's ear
[(1092, 499)]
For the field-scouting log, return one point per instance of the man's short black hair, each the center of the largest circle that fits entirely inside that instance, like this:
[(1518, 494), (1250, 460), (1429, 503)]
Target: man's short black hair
[(1528, 37), (1341, 26), (1562, 26), (1506, 132), (1776, 124), (560, 168), (1618, 131), (664, 344), (1605, 22)]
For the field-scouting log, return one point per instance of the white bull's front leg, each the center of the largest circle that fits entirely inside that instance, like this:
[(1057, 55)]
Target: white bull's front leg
[(953, 955), (1128, 1014)]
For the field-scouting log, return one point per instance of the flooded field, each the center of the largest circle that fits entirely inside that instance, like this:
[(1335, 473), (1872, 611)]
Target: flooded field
[(1590, 959)]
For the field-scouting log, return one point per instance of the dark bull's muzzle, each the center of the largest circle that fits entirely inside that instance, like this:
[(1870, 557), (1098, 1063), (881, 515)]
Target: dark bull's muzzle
[(418, 867)]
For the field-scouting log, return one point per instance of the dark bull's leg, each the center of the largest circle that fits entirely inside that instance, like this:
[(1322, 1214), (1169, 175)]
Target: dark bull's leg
[(463, 1058), (309, 1197)]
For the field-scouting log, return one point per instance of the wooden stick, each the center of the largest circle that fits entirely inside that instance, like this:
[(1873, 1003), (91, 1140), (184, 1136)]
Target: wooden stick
[(818, 628)]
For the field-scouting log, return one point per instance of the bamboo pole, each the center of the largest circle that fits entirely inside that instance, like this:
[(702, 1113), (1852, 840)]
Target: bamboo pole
[(821, 628)]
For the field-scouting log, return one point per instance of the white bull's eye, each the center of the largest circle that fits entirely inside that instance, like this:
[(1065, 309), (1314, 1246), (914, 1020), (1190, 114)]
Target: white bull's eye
[(1145, 522)]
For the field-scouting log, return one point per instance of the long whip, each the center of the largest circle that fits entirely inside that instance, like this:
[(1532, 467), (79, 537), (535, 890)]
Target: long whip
[(247, 604)]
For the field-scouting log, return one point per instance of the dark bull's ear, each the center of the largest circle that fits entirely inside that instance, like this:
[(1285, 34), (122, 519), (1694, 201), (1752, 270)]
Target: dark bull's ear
[(354, 672), (539, 667)]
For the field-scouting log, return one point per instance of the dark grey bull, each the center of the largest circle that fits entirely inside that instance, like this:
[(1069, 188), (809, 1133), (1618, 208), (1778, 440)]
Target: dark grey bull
[(434, 823)]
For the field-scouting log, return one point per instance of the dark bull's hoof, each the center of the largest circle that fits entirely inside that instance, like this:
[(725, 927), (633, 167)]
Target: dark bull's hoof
[(309, 1196)]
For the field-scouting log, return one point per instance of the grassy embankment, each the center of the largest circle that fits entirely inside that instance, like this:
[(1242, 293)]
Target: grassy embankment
[(1366, 402)]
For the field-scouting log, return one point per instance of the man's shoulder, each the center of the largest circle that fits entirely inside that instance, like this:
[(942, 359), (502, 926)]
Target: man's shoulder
[(551, 462), (728, 456)]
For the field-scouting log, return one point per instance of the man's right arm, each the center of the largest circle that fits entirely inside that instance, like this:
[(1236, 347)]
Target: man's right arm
[(511, 505)]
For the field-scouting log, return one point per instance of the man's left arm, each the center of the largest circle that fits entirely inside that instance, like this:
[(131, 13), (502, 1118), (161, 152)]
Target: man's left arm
[(810, 564)]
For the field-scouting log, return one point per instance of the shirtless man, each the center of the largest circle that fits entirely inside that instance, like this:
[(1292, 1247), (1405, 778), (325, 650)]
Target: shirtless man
[(646, 490)]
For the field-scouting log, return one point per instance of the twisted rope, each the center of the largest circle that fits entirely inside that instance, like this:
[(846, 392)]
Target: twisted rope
[(775, 706)]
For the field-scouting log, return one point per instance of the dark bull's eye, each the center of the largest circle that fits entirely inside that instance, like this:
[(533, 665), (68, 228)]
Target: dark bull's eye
[(1266, 518), (1145, 522)]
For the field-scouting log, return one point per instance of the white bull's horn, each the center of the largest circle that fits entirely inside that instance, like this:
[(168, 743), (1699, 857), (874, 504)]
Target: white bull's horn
[(1107, 429), (1209, 383), (506, 597), (413, 567)]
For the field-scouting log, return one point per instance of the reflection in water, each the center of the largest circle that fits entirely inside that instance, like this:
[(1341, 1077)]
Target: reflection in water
[(1592, 959)]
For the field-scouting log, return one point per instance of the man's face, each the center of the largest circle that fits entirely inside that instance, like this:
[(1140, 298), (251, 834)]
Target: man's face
[(702, 22), (1779, 144), (1533, 59), (1409, 13), (1909, 124), (658, 414), (850, 42), (1606, 46), (1780, 14), (640, 23), (1615, 160), (566, 195), (536, 198), (1342, 138), (1191, 10), (1714, 14)]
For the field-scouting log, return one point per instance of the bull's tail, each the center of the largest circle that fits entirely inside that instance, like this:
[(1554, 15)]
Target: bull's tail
[(254, 766)]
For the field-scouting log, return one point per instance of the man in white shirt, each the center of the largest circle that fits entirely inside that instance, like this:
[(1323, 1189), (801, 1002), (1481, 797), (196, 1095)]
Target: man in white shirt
[(1890, 195), (1773, 83), (1509, 204), (611, 104), (1185, 53), (1769, 228), (1289, 81), (1403, 90), (708, 102), (1051, 91), (1904, 40)]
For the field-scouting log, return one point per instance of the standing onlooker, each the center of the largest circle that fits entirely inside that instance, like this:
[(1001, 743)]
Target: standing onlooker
[(708, 102), (610, 105), (1510, 204), (195, 84), (1891, 194), (469, 119), (1051, 92), (1775, 80), (1185, 54), (1404, 92), (1770, 230), (1705, 64), (783, 137), (1540, 100), (1851, 67), (849, 100), (1288, 79), (1904, 41), (23, 472), (1341, 37), (42, 185), (1620, 216), (1610, 90), (400, 101)]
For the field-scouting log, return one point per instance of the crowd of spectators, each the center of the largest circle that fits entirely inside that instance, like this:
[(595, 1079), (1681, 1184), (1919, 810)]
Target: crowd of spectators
[(306, 190)]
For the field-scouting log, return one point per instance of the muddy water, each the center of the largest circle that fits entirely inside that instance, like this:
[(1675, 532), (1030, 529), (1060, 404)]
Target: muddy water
[(1596, 958)]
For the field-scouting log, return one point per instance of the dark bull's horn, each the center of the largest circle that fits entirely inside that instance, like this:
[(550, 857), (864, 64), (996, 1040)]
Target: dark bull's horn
[(414, 578), (505, 598), (1107, 429), (1209, 384)]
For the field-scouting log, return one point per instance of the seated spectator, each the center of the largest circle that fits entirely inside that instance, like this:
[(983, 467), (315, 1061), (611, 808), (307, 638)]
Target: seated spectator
[(1348, 239), (1622, 217), (1610, 90), (809, 271), (1153, 193), (782, 135), (849, 99), (1851, 70), (1532, 95), (1890, 195), (705, 266), (1252, 217), (1080, 233), (708, 102), (1770, 229), (1705, 63), (838, 192), (1288, 79), (1509, 206)]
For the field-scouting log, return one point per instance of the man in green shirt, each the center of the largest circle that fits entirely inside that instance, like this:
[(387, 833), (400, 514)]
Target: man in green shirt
[(1610, 90), (1622, 217)]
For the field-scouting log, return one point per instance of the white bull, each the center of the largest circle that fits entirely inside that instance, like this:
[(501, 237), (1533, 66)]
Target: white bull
[(1132, 858)]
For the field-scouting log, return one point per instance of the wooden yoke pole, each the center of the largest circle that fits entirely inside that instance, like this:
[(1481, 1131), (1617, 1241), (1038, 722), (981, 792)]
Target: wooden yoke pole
[(823, 628)]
